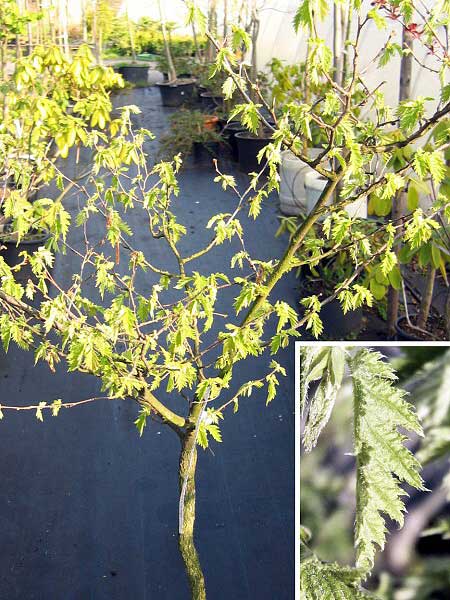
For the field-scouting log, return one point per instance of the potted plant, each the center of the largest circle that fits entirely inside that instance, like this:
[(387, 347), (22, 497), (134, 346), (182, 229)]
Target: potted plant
[(135, 73), (323, 281), (176, 91), (193, 134), (52, 104), (290, 84), (423, 321), (314, 186)]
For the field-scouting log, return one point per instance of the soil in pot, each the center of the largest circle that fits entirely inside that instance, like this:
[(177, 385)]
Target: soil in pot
[(135, 74), (249, 146), (176, 93), (435, 330)]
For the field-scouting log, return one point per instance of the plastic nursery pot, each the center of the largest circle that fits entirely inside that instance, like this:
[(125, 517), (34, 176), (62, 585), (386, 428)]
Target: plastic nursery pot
[(11, 253), (210, 101), (176, 93), (211, 122), (249, 146), (229, 134), (204, 153), (179, 76), (314, 186), (406, 334), (136, 74), (338, 326), (292, 182)]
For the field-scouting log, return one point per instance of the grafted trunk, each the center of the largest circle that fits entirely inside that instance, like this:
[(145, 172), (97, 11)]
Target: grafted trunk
[(187, 468)]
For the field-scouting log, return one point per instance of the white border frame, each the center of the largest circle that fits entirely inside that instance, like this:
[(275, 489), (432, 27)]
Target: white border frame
[(367, 344)]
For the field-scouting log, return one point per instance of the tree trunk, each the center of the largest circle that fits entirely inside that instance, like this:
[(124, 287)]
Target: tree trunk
[(427, 297), (131, 36), (212, 26), (337, 43), (398, 208), (172, 72), (84, 22), (225, 18), (187, 468), (196, 46), (447, 314), (254, 60), (63, 24), (95, 32)]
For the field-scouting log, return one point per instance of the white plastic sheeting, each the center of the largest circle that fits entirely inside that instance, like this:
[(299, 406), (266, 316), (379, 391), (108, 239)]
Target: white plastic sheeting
[(278, 39)]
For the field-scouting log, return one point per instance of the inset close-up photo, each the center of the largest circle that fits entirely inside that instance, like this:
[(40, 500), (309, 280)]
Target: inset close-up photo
[(374, 489)]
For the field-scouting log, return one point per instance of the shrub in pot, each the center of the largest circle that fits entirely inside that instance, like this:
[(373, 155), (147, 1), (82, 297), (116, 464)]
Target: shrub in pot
[(292, 182), (192, 133), (177, 91), (339, 322), (288, 84), (429, 260)]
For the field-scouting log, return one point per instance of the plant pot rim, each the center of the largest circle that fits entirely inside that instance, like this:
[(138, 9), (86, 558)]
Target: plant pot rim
[(400, 330), (133, 65), (38, 237), (211, 95), (175, 83), (289, 155), (248, 135)]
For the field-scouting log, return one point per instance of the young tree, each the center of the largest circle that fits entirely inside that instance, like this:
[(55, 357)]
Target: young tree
[(368, 143)]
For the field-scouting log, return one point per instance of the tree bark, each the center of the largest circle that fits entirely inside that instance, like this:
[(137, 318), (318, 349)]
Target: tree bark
[(172, 72), (187, 469), (225, 18), (427, 297), (131, 35), (398, 208), (212, 26), (84, 22)]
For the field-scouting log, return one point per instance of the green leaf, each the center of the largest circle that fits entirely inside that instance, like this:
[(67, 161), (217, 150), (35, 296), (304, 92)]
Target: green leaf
[(383, 462), (239, 38), (321, 404), (329, 581)]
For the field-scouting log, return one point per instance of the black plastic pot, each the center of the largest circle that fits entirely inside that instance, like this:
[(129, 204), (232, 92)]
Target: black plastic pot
[(179, 76), (136, 74), (12, 250), (408, 336), (249, 146), (203, 154), (177, 93), (338, 326), (229, 134), (211, 102)]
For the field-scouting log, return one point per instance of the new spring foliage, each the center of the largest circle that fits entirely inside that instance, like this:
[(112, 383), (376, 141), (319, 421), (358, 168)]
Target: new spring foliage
[(382, 416)]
